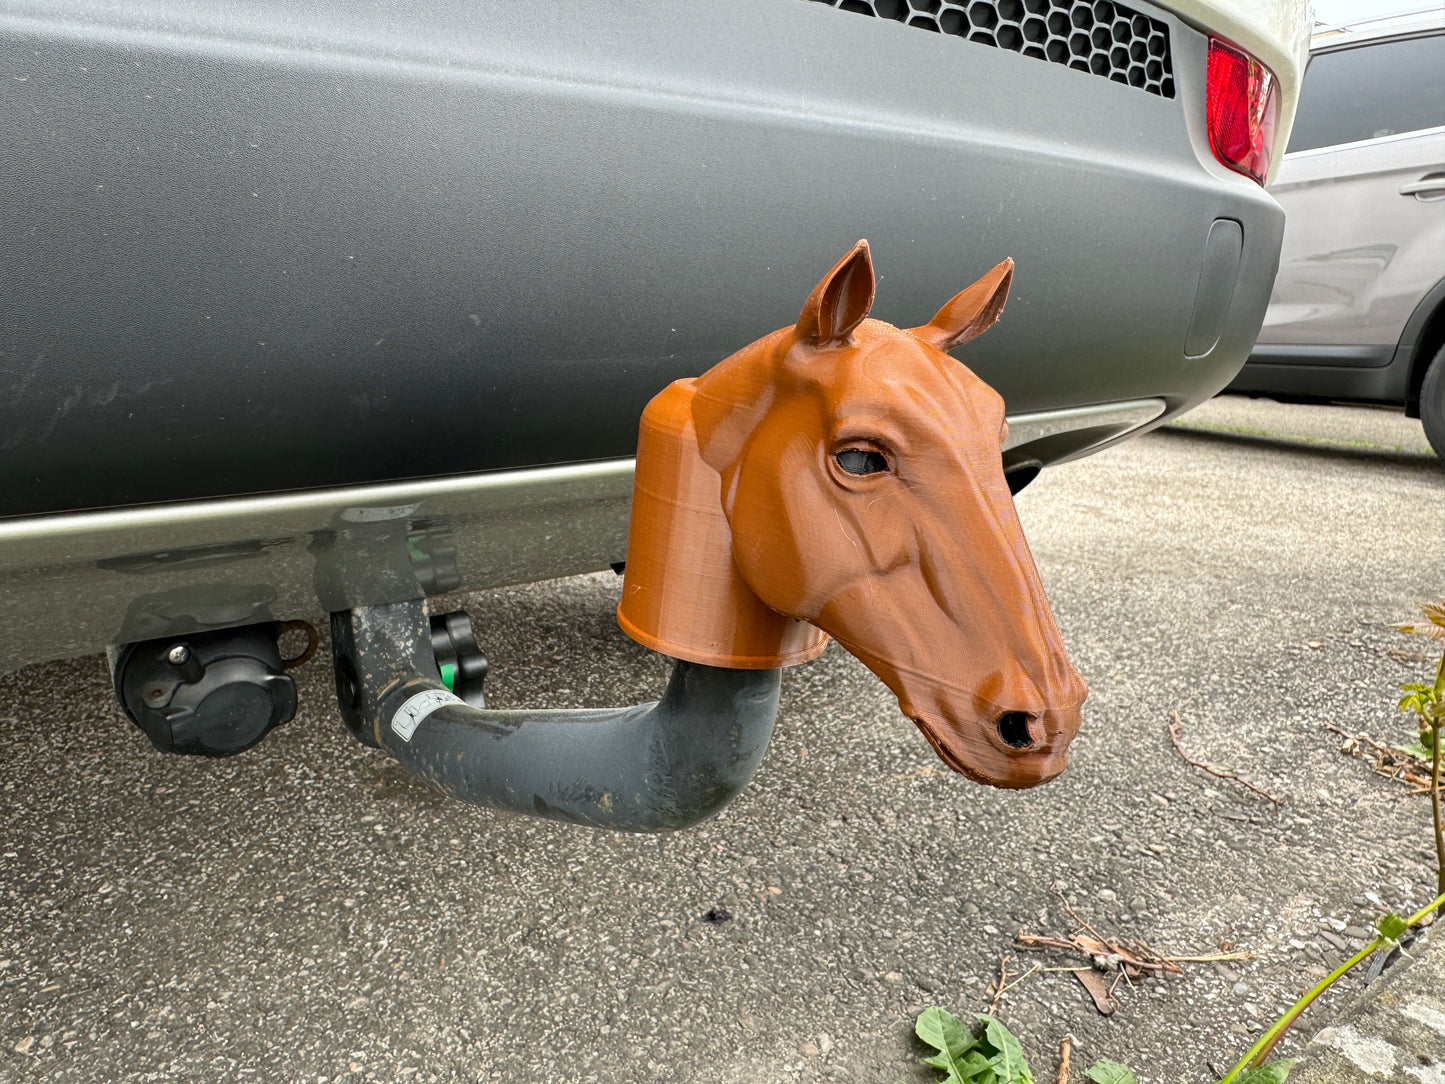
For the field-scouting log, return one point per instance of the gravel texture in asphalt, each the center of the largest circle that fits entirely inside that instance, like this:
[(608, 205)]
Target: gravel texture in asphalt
[(305, 912)]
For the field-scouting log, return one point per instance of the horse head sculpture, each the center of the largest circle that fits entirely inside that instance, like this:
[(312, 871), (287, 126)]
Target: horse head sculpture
[(843, 477)]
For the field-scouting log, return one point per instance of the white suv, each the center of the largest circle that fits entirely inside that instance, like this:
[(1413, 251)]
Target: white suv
[(1358, 309)]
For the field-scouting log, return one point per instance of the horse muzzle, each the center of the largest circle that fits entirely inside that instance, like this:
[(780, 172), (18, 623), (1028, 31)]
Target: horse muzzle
[(1010, 749)]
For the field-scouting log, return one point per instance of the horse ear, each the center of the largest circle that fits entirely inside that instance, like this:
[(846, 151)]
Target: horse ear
[(840, 302), (971, 312)]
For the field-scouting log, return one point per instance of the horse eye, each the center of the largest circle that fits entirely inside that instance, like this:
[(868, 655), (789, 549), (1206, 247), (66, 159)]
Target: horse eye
[(861, 461)]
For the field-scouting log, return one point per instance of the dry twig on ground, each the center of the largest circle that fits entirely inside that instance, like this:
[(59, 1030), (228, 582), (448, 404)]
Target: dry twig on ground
[(1066, 1045), (1004, 985), (1129, 960), (1001, 987), (1218, 773), (1391, 763), (1140, 956), (1110, 955)]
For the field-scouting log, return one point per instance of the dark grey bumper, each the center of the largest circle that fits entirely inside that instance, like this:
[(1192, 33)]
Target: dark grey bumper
[(281, 247)]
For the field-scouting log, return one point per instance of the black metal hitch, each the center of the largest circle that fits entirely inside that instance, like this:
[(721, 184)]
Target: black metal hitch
[(655, 767)]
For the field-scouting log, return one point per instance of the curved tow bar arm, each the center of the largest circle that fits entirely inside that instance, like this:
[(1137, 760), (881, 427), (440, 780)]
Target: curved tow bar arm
[(654, 767)]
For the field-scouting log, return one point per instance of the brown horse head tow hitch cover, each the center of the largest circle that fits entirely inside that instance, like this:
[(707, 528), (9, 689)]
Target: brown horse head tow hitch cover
[(843, 477)]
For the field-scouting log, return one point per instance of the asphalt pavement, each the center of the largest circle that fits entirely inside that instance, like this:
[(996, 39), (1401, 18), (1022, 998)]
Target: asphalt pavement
[(305, 912)]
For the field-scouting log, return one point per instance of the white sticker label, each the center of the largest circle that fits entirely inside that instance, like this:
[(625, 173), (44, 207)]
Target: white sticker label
[(377, 515), (410, 715)]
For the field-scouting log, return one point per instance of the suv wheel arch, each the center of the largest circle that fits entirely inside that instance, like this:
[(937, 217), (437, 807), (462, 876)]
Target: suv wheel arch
[(1424, 335)]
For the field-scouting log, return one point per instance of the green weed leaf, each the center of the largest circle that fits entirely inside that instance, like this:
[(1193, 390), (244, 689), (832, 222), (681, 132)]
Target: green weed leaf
[(1272, 1072), (1105, 1071), (945, 1032), (975, 1063), (1390, 927), (993, 1057), (1008, 1056)]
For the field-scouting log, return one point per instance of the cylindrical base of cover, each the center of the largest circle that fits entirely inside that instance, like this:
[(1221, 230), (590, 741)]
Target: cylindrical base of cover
[(682, 595)]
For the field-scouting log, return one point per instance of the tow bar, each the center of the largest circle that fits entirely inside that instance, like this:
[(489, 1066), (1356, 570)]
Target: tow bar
[(650, 768)]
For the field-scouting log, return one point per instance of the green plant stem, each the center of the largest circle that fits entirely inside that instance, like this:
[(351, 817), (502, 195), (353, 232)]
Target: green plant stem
[(1435, 785), (1260, 1050), (1435, 813)]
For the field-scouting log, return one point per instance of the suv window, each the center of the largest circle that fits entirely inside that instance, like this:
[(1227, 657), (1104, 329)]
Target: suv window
[(1370, 91)]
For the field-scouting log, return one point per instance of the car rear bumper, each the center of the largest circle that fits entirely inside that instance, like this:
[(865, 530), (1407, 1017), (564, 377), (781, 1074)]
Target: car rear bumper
[(280, 256), (272, 254)]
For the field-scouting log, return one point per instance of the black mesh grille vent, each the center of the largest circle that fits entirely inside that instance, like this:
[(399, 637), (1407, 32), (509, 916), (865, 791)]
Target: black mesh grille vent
[(1097, 36)]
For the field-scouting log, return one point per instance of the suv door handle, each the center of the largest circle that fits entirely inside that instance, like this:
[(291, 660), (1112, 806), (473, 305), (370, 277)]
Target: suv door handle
[(1427, 189)]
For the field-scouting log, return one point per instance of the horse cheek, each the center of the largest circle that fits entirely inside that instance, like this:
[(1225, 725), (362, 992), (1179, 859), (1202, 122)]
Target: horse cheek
[(765, 542), (887, 529), (786, 532)]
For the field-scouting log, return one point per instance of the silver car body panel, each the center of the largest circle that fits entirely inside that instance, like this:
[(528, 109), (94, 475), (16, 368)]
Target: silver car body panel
[(1358, 252), (170, 569)]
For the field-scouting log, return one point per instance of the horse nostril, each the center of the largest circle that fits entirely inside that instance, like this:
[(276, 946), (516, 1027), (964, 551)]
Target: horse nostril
[(1013, 728)]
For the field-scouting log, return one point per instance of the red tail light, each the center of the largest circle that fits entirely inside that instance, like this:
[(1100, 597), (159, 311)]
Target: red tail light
[(1243, 110)]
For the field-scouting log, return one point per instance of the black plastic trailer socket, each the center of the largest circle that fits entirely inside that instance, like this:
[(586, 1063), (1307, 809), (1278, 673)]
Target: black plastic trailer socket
[(655, 767), (212, 694)]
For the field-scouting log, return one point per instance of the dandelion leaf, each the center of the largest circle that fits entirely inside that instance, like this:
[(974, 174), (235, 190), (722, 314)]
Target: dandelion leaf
[(1272, 1072), (1007, 1059), (1105, 1071), (945, 1032)]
